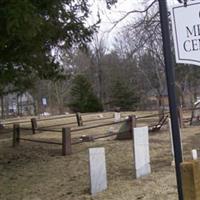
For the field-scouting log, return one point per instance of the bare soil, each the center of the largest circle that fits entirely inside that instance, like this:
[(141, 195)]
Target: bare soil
[(34, 171)]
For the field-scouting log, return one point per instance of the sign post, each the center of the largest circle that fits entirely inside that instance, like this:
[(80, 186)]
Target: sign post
[(171, 92)]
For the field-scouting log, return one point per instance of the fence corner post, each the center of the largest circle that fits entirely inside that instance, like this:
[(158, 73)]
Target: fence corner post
[(34, 125), (66, 141)]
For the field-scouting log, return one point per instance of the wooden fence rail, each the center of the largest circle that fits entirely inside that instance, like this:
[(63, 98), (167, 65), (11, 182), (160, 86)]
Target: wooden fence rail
[(67, 132), (66, 139)]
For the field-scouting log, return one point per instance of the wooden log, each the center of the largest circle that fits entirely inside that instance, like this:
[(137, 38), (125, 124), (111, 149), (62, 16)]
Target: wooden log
[(34, 125), (190, 172), (66, 142)]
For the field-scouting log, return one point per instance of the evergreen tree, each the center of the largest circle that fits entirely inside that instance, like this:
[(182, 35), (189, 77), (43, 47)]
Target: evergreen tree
[(82, 97), (31, 29), (123, 96)]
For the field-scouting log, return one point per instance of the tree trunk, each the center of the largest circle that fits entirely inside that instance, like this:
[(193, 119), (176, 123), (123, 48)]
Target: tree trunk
[(35, 108), (183, 101), (160, 107), (195, 93), (2, 107), (100, 83), (18, 105)]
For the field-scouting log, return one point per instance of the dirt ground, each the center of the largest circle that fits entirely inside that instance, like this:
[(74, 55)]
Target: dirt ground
[(35, 171)]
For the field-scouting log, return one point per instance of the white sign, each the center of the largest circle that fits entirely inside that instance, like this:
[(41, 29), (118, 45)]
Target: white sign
[(186, 32), (141, 151), (44, 101)]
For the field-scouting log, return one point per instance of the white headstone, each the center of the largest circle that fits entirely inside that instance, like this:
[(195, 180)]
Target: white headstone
[(194, 154), (98, 176), (141, 151), (117, 116)]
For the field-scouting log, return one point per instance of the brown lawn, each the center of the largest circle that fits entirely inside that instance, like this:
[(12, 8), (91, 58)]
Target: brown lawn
[(35, 171)]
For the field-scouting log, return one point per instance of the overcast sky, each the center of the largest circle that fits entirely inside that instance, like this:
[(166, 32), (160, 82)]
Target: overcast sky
[(108, 17)]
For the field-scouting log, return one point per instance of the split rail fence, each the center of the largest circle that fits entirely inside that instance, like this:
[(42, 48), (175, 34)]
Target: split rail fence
[(68, 132)]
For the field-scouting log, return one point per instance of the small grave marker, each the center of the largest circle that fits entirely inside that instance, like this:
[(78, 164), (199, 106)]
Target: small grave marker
[(194, 154), (141, 151), (97, 167), (117, 116)]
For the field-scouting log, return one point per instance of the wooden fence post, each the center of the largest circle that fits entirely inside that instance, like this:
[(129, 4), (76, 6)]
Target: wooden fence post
[(34, 125), (190, 172), (79, 119), (16, 134), (181, 117), (132, 124), (66, 142), (134, 121)]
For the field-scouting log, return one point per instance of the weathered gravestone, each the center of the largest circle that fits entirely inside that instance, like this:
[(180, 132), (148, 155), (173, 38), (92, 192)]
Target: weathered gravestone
[(125, 131), (141, 151), (97, 164)]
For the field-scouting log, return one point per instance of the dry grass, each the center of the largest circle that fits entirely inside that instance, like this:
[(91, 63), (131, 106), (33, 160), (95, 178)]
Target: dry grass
[(38, 172)]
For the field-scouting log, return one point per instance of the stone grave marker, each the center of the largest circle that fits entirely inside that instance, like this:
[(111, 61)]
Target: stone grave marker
[(194, 154), (117, 116), (141, 151), (97, 169)]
